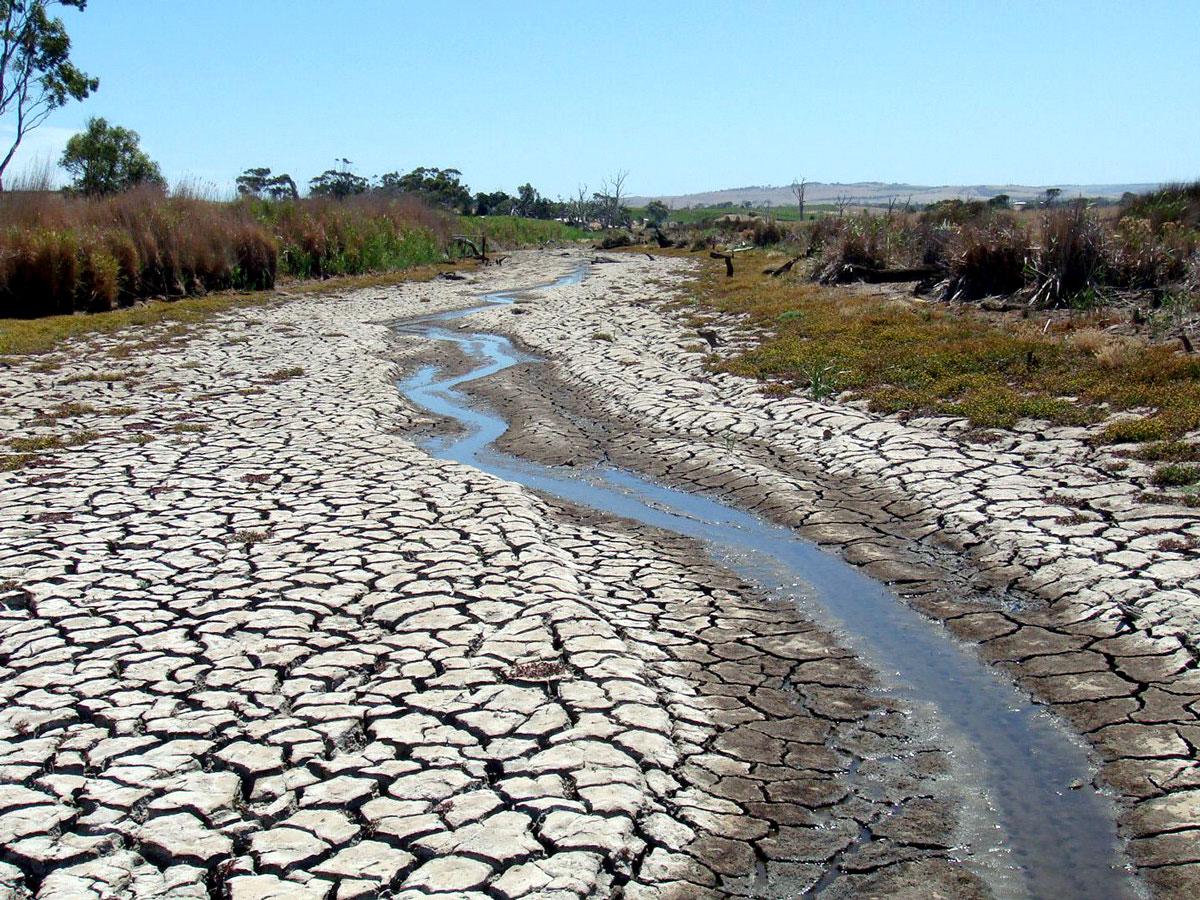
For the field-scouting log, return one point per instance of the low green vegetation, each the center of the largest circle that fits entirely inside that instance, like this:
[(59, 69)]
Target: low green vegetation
[(1176, 475), (516, 231), (924, 357)]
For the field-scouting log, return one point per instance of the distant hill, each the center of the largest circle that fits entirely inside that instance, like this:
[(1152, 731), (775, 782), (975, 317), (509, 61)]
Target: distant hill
[(876, 193)]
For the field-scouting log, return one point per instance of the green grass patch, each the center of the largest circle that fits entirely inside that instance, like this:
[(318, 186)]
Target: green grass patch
[(39, 444), (284, 374), (1176, 475), (518, 231), (910, 356), (707, 214)]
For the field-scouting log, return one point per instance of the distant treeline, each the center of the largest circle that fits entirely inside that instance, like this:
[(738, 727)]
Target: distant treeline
[(444, 189)]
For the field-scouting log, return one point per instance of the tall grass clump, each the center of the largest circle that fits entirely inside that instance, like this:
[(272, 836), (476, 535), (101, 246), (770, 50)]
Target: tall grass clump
[(988, 258), (320, 238), (869, 240), (1070, 258), (61, 253)]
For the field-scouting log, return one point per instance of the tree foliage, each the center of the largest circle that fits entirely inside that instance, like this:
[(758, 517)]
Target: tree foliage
[(657, 212), (439, 187), (36, 72), (338, 183), (106, 159), (497, 203), (261, 184)]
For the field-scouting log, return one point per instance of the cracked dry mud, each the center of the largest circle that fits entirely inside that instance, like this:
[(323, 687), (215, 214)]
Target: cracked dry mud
[(255, 643)]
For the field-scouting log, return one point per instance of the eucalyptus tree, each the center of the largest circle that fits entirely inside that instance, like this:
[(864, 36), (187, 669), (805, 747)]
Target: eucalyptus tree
[(36, 72)]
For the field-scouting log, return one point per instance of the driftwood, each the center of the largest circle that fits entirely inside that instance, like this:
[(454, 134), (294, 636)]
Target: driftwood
[(710, 335)]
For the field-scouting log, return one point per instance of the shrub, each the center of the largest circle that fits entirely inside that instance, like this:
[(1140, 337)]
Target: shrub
[(1070, 259), (955, 212), (1177, 204), (1167, 451), (987, 259), (1133, 431), (614, 239), (768, 232)]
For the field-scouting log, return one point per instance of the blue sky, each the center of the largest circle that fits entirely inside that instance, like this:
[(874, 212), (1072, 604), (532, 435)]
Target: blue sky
[(685, 96)]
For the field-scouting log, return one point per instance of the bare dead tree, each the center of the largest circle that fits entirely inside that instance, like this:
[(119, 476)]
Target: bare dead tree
[(612, 191), (799, 185), (580, 207), (842, 202)]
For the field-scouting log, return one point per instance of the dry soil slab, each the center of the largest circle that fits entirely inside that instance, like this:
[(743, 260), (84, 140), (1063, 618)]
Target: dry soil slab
[(254, 643), (1024, 545)]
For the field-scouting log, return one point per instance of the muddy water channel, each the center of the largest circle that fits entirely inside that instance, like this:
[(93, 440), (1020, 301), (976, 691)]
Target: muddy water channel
[(1038, 829)]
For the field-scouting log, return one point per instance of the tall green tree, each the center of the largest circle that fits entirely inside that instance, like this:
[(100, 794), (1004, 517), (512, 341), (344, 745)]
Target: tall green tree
[(260, 183), (106, 159), (439, 187), (36, 72), (338, 183), (657, 212)]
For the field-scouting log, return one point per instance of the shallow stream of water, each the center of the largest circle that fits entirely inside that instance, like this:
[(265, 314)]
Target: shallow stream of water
[(1030, 832)]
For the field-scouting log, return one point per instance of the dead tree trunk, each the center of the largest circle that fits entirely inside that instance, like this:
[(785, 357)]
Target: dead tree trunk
[(466, 241), (728, 257), (785, 268)]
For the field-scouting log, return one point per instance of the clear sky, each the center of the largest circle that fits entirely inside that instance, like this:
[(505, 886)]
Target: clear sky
[(687, 96)]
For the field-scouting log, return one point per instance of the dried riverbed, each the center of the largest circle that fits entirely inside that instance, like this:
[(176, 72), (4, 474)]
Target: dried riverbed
[(255, 642)]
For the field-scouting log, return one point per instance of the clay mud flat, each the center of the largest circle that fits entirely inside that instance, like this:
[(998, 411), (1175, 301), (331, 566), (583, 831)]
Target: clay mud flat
[(258, 640)]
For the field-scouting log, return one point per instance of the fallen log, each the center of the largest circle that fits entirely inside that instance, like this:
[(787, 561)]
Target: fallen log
[(855, 272), (786, 267)]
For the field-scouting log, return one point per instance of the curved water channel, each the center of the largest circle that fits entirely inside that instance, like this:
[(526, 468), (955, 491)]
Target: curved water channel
[(1037, 829)]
